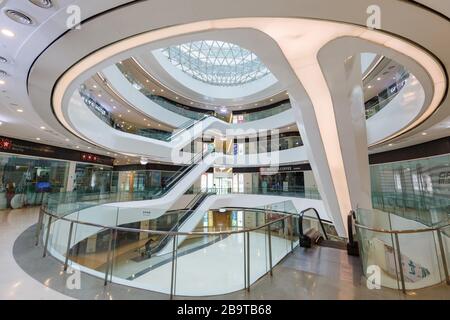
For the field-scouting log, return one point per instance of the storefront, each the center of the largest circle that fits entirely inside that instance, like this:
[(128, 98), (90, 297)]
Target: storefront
[(29, 172)]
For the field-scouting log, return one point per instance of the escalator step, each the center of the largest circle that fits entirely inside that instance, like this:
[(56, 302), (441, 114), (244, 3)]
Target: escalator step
[(333, 244)]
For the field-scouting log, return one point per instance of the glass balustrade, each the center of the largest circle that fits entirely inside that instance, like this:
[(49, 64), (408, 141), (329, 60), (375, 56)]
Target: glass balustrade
[(262, 114), (97, 108), (402, 253), (429, 210), (383, 98), (61, 204), (109, 245), (161, 101), (372, 106)]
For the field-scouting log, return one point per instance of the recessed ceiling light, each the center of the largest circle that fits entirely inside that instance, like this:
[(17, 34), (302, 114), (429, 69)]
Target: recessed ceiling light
[(378, 78), (128, 111), (78, 147), (390, 144), (146, 80), (38, 139), (94, 86), (46, 4), (369, 87), (8, 33), (424, 133), (42, 128), (20, 110), (99, 95), (1, 123), (176, 98), (120, 116), (3, 60), (67, 140), (2, 82), (89, 147), (162, 90), (19, 17)]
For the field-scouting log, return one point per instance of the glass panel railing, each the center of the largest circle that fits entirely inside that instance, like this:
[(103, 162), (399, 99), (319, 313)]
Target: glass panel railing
[(401, 253), (189, 113), (427, 209), (106, 117), (251, 241), (387, 95), (258, 115), (286, 191), (161, 101)]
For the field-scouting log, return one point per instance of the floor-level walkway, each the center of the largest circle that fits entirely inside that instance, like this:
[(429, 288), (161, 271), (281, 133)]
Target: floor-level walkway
[(320, 273), (14, 282)]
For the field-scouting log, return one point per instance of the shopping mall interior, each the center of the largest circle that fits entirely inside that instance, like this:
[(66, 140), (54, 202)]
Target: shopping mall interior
[(192, 149)]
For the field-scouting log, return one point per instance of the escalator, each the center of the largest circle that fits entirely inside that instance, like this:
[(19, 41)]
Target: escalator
[(181, 173), (324, 237), (153, 247)]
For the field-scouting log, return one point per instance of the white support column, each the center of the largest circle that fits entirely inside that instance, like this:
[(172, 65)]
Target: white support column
[(333, 126), (71, 175), (344, 78)]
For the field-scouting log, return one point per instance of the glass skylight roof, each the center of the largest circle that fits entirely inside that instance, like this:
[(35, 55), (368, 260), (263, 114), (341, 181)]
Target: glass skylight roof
[(217, 63)]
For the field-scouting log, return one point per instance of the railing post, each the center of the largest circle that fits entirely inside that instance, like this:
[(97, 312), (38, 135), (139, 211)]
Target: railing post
[(291, 233), (399, 257), (245, 260), (444, 258), (248, 261), (66, 262), (174, 267), (269, 233), (47, 236), (108, 258), (39, 225)]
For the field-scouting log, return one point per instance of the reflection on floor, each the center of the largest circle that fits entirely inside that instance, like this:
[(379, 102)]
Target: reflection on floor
[(14, 282), (320, 273)]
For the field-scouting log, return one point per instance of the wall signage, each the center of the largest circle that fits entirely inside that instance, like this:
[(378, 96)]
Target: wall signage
[(22, 147)]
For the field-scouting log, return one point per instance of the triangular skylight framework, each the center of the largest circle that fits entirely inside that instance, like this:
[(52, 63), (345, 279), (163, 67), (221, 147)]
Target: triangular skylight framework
[(216, 62)]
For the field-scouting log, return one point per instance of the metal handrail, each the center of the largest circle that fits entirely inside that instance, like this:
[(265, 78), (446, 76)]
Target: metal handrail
[(402, 231), (395, 238), (174, 233)]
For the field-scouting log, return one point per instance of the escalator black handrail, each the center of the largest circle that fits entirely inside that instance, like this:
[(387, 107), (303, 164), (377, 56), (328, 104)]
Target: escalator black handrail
[(181, 172), (300, 222), (191, 124), (199, 198)]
